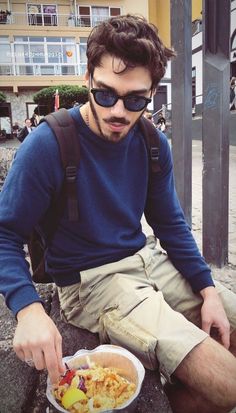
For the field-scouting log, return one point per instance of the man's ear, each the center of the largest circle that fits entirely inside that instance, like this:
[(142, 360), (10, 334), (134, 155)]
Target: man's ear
[(86, 76), (154, 91)]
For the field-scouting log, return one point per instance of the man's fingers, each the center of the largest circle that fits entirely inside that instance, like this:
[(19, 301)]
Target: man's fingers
[(58, 348), (52, 366), (206, 326), (38, 359), (53, 360), (38, 341), (225, 341), (225, 336), (221, 334), (19, 352)]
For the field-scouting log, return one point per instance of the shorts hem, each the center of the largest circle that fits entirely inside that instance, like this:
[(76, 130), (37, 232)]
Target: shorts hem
[(168, 372)]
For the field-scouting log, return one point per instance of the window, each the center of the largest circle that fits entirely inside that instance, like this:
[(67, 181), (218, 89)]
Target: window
[(24, 70), (68, 53), (36, 53), (84, 16), (114, 11), (99, 14), (47, 70), (45, 56), (5, 56), (92, 15), (42, 14), (4, 39), (30, 107), (68, 70), (54, 53), (82, 55)]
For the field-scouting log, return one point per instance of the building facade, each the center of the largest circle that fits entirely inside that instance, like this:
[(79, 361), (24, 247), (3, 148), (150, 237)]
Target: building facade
[(197, 56), (44, 44)]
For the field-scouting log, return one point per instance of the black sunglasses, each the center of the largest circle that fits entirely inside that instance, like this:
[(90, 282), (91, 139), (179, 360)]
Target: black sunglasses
[(108, 98)]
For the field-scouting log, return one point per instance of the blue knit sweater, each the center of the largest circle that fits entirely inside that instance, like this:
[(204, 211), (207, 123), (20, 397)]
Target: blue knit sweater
[(113, 193)]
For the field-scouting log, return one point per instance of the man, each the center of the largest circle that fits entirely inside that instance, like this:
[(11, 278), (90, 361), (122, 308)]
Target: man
[(232, 93), (148, 115), (161, 122), (15, 129), (110, 278), (25, 130)]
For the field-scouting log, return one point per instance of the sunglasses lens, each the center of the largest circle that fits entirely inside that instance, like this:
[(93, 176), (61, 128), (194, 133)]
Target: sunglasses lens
[(135, 103), (107, 99), (104, 98)]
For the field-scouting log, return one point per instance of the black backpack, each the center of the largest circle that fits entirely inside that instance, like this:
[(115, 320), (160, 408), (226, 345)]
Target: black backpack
[(65, 132)]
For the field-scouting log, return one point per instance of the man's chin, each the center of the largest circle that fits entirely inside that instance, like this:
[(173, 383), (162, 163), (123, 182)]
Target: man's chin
[(115, 136)]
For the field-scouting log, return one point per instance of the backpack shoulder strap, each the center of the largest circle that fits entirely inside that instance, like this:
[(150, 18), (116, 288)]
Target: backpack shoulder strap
[(64, 130), (152, 140)]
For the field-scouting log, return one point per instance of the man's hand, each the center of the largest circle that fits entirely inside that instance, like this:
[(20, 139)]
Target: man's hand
[(213, 315), (37, 338)]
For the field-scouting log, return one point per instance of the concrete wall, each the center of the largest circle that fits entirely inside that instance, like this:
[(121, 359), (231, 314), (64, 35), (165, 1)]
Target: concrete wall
[(18, 105)]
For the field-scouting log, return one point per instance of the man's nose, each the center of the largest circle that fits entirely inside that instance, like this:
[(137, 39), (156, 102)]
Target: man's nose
[(118, 110)]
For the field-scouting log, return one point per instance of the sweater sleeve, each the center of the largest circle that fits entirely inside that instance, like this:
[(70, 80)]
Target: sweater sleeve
[(24, 199), (164, 214)]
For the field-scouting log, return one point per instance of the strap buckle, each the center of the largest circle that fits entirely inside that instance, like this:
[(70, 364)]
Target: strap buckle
[(71, 172), (155, 153)]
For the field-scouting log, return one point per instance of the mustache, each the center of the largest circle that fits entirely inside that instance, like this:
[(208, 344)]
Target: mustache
[(117, 120)]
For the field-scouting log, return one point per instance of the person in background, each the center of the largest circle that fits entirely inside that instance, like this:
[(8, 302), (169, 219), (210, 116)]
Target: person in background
[(112, 279), (232, 94), (148, 115), (161, 122), (34, 120), (15, 129), (25, 130)]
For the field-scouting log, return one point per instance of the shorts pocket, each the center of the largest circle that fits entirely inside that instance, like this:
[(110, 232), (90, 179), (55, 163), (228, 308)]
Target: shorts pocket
[(123, 331)]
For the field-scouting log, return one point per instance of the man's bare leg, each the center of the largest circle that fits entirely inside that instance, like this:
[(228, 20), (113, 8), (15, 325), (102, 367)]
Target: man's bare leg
[(232, 348), (207, 380), (184, 400)]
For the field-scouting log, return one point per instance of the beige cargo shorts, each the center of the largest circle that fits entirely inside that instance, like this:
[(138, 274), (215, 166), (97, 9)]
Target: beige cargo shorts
[(143, 304)]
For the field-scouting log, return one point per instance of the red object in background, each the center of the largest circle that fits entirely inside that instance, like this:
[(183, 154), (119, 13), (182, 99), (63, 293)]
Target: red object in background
[(57, 101)]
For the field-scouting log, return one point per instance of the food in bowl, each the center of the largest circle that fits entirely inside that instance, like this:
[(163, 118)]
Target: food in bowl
[(93, 388), (105, 379)]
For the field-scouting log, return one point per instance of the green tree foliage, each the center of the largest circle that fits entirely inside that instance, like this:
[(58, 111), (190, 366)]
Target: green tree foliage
[(2, 97), (68, 95)]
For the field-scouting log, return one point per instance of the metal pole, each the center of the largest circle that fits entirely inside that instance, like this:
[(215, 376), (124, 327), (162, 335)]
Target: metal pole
[(181, 81), (216, 74)]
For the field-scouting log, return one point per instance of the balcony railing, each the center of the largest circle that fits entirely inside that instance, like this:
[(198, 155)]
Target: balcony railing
[(46, 19), (44, 69)]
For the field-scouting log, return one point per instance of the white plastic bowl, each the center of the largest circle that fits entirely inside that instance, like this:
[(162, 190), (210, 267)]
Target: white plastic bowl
[(107, 356)]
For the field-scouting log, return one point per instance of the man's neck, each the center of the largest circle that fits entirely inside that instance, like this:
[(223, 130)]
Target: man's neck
[(88, 118)]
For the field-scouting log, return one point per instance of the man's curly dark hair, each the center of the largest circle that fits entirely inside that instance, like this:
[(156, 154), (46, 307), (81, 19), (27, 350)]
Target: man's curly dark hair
[(132, 39)]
